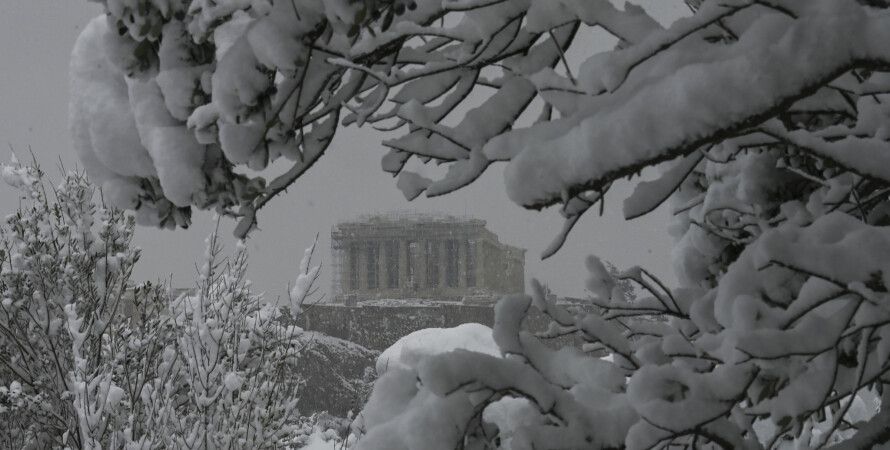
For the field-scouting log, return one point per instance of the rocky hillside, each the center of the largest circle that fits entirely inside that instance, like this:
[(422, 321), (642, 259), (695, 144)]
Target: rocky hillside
[(337, 374)]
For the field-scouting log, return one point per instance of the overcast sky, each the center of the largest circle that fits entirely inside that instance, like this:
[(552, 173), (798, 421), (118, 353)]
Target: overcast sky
[(36, 37)]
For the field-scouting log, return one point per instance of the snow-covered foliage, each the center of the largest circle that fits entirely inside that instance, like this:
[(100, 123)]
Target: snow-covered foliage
[(225, 379), (172, 96), (65, 264), (724, 386), (399, 364), (88, 360), (770, 117), (774, 114), (190, 89)]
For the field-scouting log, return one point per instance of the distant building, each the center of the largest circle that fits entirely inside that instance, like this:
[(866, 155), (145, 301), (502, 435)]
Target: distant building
[(418, 256)]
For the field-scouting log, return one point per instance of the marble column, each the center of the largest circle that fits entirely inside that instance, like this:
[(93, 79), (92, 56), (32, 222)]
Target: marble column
[(462, 262), (362, 252), (402, 255), (442, 262)]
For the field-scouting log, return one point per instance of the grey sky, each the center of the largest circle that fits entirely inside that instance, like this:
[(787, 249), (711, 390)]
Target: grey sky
[(36, 37)]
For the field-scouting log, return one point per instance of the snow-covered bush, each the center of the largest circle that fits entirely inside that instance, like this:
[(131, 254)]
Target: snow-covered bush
[(412, 348), (63, 282), (88, 360), (223, 379)]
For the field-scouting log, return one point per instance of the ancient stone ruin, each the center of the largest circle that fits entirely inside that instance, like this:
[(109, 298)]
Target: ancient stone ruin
[(423, 257)]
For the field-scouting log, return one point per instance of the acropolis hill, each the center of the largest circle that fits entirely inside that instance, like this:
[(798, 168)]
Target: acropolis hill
[(400, 272)]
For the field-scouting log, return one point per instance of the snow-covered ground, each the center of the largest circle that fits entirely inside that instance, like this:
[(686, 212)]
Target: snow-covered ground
[(320, 440)]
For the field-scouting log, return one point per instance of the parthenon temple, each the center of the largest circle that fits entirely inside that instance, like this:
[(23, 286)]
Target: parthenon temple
[(425, 257)]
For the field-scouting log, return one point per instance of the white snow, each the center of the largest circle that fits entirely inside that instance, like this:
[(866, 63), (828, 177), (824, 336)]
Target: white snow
[(626, 129), (102, 125), (409, 351)]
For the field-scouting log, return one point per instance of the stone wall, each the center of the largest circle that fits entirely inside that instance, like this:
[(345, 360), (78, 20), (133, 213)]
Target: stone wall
[(378, 327)]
